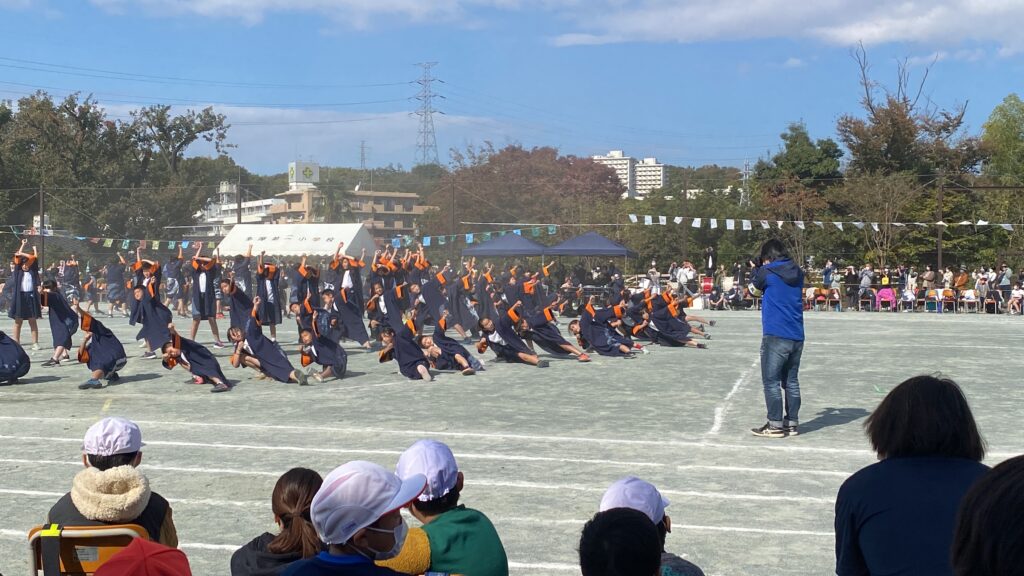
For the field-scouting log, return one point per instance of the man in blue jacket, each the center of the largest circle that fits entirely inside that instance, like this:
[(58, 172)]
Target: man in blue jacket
[(782, 320)]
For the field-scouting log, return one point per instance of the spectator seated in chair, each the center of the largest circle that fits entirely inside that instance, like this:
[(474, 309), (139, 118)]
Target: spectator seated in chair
[(716, 299), (885, 296), (111, 490), (908, 300)]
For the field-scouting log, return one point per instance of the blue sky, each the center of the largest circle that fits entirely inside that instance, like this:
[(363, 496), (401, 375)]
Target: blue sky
[(690, 82)]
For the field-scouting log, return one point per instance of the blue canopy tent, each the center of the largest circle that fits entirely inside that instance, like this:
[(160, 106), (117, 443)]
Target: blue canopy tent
[(590, 244), (507, 245)]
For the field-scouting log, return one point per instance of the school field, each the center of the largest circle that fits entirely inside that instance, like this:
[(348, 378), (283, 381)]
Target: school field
[(538, 446)]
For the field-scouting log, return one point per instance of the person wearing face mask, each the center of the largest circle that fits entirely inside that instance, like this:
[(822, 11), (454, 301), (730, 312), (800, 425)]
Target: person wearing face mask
[(357, 514)]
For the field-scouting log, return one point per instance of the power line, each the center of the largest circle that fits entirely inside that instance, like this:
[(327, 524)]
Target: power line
[(156, 79), (426, 141)]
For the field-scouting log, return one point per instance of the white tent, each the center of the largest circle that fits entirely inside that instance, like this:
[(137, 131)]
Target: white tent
[(297, 239)]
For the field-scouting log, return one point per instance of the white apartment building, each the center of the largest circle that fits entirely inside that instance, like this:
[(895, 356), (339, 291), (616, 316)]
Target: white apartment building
[(222, 212), (649, 175), (639, 178)]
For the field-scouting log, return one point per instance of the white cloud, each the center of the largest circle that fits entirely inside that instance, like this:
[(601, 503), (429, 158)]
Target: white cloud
[(793, 62), (840, 22)]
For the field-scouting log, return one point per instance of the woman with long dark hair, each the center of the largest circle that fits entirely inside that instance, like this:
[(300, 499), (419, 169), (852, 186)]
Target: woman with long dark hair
[(270, 554), (897, 516)]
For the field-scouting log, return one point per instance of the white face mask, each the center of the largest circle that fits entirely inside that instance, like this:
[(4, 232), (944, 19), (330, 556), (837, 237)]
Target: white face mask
[(399, 532)]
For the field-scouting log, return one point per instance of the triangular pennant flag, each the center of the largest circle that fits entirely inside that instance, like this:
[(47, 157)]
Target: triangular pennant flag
[(819, 224), (155, 244), (552, 230), (536, 231), (746, 225), (941, 223), (859, 225), (695, 223), (185, 244), (94, 240), (838, 225), (487, 236), (982, 222), (79, 237), (502, 232), (899, 224), (211, 245), (662, 220), (714, 222), (125, 244), (441, 240), (469, 238), (170, 244), (426, 241), (730, 224), (517, 232), (874, 226), (1007, 227), (678, 219), (632, 218), (779, 223), (799, 224), (965, 223), (108, 242), (765, 225), (648, 221), (395, 242)]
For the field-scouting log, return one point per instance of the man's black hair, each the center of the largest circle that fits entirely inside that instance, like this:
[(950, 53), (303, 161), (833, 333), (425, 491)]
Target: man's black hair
[(925, 416), (327, 292), (438, 505), (620, 542), (165, 346), (773, 250), (102, 463), (49, 285)]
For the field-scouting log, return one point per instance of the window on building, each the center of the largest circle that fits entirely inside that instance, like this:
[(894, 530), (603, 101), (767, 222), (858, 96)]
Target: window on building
[(389, 205), (407, 205)]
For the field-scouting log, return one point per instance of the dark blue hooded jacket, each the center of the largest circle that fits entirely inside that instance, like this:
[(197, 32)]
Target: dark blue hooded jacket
[(782, 309)]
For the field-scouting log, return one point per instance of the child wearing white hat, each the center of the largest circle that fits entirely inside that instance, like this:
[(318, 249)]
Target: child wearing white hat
[(454, 539), (357, 514), (632, 492), (111, 490)]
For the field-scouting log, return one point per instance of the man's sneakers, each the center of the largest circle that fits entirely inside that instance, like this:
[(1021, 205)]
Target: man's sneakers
[(51, 362), (222, 387), (149, 355), (468, 371), (542, 364), (768, 431), (35, 345), (218, 344), (702, 346), (90, 384)]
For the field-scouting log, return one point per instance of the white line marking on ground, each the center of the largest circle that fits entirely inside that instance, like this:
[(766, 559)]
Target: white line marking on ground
[(724, 405), (188, 501), (694, 527), (786, 446), (838, 473), (471, 456)]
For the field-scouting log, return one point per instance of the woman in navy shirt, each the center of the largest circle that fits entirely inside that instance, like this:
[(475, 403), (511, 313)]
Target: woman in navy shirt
[(897, 516)]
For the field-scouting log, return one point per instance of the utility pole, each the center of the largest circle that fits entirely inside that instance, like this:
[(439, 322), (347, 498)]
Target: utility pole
[(238, 196), (941, 229), (452, 245), (685, 224), (426, 142), (42, 228)]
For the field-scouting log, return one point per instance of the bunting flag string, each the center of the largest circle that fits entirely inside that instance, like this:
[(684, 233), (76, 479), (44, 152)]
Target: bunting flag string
[(746, 225)]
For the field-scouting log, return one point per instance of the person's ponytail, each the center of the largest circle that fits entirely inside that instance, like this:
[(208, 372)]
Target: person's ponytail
[(291, 500)]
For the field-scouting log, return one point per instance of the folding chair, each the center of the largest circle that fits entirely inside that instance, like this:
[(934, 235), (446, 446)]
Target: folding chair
[(77, 550), (868, 297), (949, 300), (922, 300), (966, 304)]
